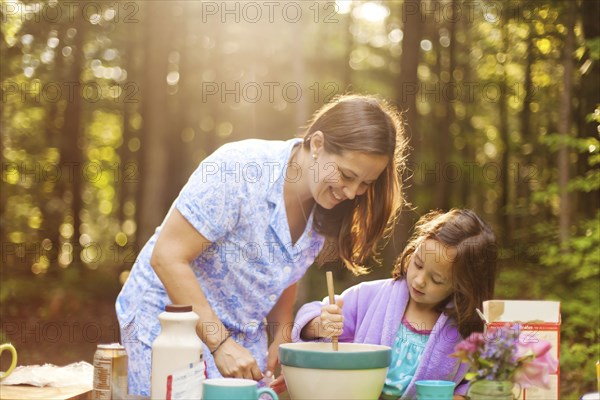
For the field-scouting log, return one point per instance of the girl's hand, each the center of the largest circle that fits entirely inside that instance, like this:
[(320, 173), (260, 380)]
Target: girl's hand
[(331, 320), (278, 385), (235, 361)]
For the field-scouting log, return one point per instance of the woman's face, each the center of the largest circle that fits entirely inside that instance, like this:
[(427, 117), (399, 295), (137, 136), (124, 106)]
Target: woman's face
[(338, 177)]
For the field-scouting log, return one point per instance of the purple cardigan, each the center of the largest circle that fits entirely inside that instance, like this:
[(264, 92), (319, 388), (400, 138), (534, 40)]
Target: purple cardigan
[(372, 314)]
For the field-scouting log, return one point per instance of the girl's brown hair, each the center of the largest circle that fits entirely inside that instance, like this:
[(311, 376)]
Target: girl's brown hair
[(473, 268), (363, 124)]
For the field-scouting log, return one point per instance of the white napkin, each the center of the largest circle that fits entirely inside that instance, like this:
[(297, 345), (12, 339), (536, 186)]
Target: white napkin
[(76, 374)]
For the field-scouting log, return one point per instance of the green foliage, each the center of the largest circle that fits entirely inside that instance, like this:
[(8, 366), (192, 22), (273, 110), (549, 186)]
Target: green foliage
[(578, 285), (575, 279), (593, 46), (545, 268), (486, 92)]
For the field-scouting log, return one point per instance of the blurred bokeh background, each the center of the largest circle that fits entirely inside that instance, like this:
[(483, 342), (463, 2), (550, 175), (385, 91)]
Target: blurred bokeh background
[(108, 106)]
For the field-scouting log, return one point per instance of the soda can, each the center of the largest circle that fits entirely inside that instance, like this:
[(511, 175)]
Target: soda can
[(110, 372)]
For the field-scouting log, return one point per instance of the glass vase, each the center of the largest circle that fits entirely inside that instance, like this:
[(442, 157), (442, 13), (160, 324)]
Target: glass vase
[(491, 390)]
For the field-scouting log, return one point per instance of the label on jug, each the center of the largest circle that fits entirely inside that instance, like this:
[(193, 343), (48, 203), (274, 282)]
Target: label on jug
[(186, 383)]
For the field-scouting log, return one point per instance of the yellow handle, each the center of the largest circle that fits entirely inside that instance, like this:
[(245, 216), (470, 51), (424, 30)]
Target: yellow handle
[(598, 374), (13, 364)]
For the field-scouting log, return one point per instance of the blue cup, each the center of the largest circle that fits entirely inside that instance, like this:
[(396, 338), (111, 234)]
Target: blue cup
[(435, 390), (234, 389)]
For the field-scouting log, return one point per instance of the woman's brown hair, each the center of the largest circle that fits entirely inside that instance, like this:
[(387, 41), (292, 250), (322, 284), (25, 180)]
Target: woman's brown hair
[(363, 124), (473, 268)]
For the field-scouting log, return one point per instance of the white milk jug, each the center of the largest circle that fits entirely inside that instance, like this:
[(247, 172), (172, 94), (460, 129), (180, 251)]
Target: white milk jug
[(177, 359)]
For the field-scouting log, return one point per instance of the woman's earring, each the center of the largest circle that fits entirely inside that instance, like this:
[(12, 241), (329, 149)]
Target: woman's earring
[(314, 156)]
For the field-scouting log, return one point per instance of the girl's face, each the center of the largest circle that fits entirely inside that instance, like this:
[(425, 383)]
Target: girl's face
[(429, 273), (335, 178)]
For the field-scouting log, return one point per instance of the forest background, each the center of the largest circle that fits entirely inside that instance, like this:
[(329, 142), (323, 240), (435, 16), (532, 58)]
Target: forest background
[(108, 106)]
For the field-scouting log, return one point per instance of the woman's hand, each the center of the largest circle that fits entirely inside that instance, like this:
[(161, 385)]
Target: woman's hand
[(331, 320), (235, 361)]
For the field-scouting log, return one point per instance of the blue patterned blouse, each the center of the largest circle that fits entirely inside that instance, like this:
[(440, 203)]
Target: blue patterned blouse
[(235, 200)]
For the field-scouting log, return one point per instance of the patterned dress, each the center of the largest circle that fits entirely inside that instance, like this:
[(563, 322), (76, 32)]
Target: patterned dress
[(235, 200), (407, 350)]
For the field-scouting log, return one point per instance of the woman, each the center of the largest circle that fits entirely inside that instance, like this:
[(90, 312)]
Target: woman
[(250, 221)]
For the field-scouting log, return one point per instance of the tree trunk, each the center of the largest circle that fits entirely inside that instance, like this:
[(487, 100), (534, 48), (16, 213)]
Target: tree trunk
[(55, 117), (521, 176), (128, 173), (130, 159), (71, 147), (589, 94), (505, 210), (445, 147), (179, 110), (154, 171), (299, 70), (471, 178), (349, 47), (407, 87), (564, 126)]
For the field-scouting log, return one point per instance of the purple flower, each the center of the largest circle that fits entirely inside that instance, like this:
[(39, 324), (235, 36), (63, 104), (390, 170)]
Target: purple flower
[(467, 347), (504, 354)]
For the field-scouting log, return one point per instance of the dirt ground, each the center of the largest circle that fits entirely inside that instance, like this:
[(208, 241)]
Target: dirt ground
[(59, 341), (62, 341)]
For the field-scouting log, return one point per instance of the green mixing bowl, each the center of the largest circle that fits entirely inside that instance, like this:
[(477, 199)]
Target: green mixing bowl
[(314, 371)]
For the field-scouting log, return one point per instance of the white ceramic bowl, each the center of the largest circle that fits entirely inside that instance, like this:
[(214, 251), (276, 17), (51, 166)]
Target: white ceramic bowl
[(314, 371)]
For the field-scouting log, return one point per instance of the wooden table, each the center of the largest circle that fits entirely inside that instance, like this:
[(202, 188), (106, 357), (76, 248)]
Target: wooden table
[(23, 392)]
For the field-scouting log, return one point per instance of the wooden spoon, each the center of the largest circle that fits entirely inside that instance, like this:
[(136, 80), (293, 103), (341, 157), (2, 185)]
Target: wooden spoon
[(329, 275)]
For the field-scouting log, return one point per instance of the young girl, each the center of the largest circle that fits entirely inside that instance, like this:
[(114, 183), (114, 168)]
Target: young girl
[(446, 271)]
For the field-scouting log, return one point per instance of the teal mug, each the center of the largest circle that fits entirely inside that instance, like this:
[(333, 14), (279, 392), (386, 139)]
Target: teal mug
[(234, 389), (435, 390)]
